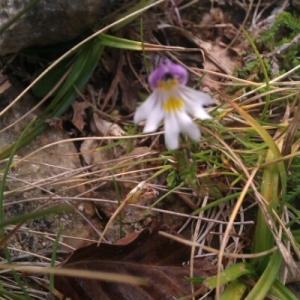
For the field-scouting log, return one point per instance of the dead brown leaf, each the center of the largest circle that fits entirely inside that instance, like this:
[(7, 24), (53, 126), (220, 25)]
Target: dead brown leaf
[(121, 85), (79, 114), (129, 94), (101, 127), (56, 122), (147, 255), (4, 83)]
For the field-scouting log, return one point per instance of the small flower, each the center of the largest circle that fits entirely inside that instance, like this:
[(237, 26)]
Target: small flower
[(172, 101)]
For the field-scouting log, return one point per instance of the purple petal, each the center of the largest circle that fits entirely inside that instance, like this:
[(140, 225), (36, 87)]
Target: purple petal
[(179, 72), (166, 69)]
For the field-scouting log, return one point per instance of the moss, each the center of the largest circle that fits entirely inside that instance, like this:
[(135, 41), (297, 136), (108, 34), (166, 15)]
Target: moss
[(285, 28)]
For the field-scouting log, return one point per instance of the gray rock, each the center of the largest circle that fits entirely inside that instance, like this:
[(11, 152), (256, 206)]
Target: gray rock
[(31, 183), (50, 21)]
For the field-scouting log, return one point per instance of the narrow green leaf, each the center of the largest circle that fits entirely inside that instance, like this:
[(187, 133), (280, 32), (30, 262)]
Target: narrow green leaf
[(15, 274), (233, 272), (218, 202), (11, 295), (267, 79), (296, 235), (270, 189), (7, 167), (53, 259), (268, 140), (83, 67), (33, 215), (47, 82), (88, 67), (282, 292), (266, 280), (2, 188), (79, 63), (38, 129), (234, 291), (120, 43)]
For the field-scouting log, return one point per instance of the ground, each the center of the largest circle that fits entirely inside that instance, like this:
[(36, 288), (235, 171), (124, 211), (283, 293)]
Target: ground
[(232, 193)]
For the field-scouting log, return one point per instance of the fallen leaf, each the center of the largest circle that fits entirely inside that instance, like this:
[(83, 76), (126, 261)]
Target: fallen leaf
[(141, 191), (79, 114), (56, 122), (4, 83), (105, 128), (148, 255), (101, 127), (129, 93)]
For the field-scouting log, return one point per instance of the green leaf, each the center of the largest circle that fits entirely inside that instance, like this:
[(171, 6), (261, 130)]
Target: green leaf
[(11, 295), (47, 82), (266, 280), (83, 67), (53, 259), (7, 167), (33, 215), (38, 129), (234, 291), (282, 292), (233, 272), (81, 78), (75, 73), (120, 43)]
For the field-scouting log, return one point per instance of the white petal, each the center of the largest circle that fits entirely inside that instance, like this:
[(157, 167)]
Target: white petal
[(197, 111), (188, 126), (189, 93), (154, 117), (172, 131), (142, 112), (194, 101)]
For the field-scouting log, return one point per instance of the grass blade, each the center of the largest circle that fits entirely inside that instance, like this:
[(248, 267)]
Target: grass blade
[(233, 272), (33, 215), (282, 292), (53, 259), (234, 291), (266, 280), (2, 188)]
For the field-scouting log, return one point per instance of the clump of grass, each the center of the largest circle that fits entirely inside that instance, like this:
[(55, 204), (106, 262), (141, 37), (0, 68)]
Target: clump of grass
[(238, 167)]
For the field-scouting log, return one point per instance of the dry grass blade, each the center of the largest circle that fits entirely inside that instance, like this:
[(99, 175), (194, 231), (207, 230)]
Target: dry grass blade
[(244, 161), (216, 251), (230, 223), (76, 273)]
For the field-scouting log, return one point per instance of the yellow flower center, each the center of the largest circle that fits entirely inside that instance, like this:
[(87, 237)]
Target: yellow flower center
[(172, 104), (167, 85)]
